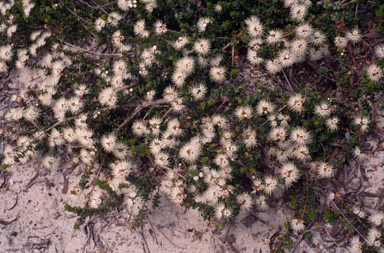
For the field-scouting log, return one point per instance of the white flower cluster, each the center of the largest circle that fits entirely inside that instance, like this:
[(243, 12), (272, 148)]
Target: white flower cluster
[(39, 42), (126, 4), (27, 6), (375, 73), (6, 6), (202, 23), (308, 42), (362, 122), (117, 40), (139, 29), (5, 53), (150, 5), (354, 36)]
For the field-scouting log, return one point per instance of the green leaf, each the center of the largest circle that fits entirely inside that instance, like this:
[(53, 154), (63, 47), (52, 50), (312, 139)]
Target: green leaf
[(205, 161)]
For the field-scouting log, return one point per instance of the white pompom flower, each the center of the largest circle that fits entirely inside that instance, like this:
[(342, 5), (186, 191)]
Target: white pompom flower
[(243, 112), (297, 225), (265, 107), (202, 47), (254, 27), (274, 66), (109, 142), (245, 201), (298, 12), (199, 91), (108, 97), (301, 136), (274, 36), (332, 124), (323, 110), (296, 103), (325, 170), (270, 184), (202, 23), (379, 51), (374, 73), (354, 35), (290, 173), (341, 42), (139, 128), (217, 74), (180, 43)]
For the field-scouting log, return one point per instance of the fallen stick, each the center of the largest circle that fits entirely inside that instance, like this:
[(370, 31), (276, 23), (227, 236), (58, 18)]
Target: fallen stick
[(31, 181), (65, 188), (3, 222), (17, 197)]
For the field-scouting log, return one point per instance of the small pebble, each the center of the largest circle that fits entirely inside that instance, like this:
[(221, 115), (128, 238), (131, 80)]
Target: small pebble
[(14, 234), (56, 216), (49, 194), (29, 201), (3, 228)]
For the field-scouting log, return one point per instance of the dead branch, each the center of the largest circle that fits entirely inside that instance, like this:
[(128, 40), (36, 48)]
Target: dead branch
[(96, 7), (139, 108), (74, 13)]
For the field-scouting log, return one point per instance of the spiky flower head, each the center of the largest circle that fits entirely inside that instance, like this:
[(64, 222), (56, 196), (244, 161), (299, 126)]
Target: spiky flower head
[(199, 91), (296, 103), (374, 73), (298, 12), (359, 211), (301, 136), (180, 43), (254, 27), (245, 201), (325, 170), (304, 31), (254, 57), (354, 35), (109, 142), (274, 36), (356, 245), (377, 218), (243, 112), (277, 133), (270, 184), (318, 38), (202, 23), (379, 50), (217, 8), (332, 124), (290, 173), (298, 225), (265, 107), (341, 42), (217, 74), (139, 128), (190, 152), (274, 66), (202, 47), (287, 58), (249, 139), (323, 110)]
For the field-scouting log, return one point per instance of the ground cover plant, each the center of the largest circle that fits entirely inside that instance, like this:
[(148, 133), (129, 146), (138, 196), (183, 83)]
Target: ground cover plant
[(154, 112)]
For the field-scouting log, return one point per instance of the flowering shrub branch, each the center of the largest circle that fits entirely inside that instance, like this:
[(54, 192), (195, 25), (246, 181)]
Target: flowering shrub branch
[(164, 115)]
